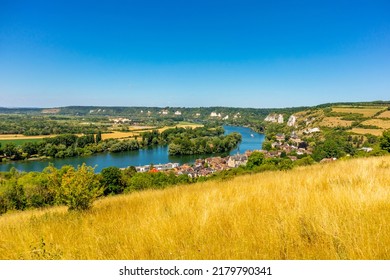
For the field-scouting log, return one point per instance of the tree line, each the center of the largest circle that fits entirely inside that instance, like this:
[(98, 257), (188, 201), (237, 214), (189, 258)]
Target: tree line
[(184, 145)]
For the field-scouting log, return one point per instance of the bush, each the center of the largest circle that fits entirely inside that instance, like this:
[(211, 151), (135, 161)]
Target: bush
[(307, 160), (79, 188), (111, 179), (15, 196), (3, 204), (255, 159), (385, 141)]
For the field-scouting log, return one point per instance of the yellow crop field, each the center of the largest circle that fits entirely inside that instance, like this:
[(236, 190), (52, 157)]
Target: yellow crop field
[(184, 125), (365, 111), (378, 122), (338, 210), (138, 127), (118, 135), (137, 130), (372, 131), (335, 121), (385, 114), (22, 137)]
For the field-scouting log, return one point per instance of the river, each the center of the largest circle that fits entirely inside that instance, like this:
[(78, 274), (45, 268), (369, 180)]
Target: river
[(159, 154)]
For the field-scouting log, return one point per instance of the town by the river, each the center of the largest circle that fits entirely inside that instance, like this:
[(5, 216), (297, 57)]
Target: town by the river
[(251, 140)]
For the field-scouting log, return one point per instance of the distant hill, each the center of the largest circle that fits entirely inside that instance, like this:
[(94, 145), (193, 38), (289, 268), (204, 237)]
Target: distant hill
[(118, 110), (338, 210), (358, 118)]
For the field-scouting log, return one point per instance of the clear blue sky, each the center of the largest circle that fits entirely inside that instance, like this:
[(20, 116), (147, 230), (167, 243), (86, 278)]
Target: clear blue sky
[(193, 53)]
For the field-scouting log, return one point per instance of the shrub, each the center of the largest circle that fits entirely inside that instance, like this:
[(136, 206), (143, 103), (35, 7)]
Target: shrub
[(385, 141), (111, 179), (79, 188), (15, 196), (255, 159), (3, 204)]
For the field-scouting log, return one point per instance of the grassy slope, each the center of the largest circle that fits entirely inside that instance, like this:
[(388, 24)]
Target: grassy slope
[(339, 210), (370, 115)]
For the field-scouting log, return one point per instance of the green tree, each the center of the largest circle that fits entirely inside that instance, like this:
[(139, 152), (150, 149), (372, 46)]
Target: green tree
[(385, 141), (3, 204), (80, 188), (11, 151), (111, 180), (331, 148), (15, 195), (267, 145), (98, 137), (140, 181), (307, 160), (255, 159), (129, 171)]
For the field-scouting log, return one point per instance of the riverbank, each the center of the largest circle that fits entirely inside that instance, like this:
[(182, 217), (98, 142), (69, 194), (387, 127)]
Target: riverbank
[(201, 167), (156, 155)]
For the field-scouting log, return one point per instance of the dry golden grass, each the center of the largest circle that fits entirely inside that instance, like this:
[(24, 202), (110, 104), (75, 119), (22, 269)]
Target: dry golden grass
[(365, 111), (137, 130), (335, 121), (138, 127), (378, 122), (339, 210), (51, 111), (185, 125), (118, 135), (372, 131), (22, 137), (385, 115)]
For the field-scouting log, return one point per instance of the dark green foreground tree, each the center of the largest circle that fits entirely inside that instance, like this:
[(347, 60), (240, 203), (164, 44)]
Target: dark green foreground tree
[(385, 141)]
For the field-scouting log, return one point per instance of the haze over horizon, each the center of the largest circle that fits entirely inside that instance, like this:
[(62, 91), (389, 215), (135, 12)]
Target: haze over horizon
[(193, 54)]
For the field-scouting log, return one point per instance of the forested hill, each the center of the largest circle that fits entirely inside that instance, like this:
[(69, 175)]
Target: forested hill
[(166, 111), (181, 111)]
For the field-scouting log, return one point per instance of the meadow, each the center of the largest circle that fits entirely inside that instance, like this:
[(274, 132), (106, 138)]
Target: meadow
[(365, 111), (385, 115), (339, 210), (18, 141), (385, 124), (22, 137), (372, 131), (335, 122)]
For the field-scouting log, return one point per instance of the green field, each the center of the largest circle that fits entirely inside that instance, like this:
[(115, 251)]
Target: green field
[(19, 141)]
